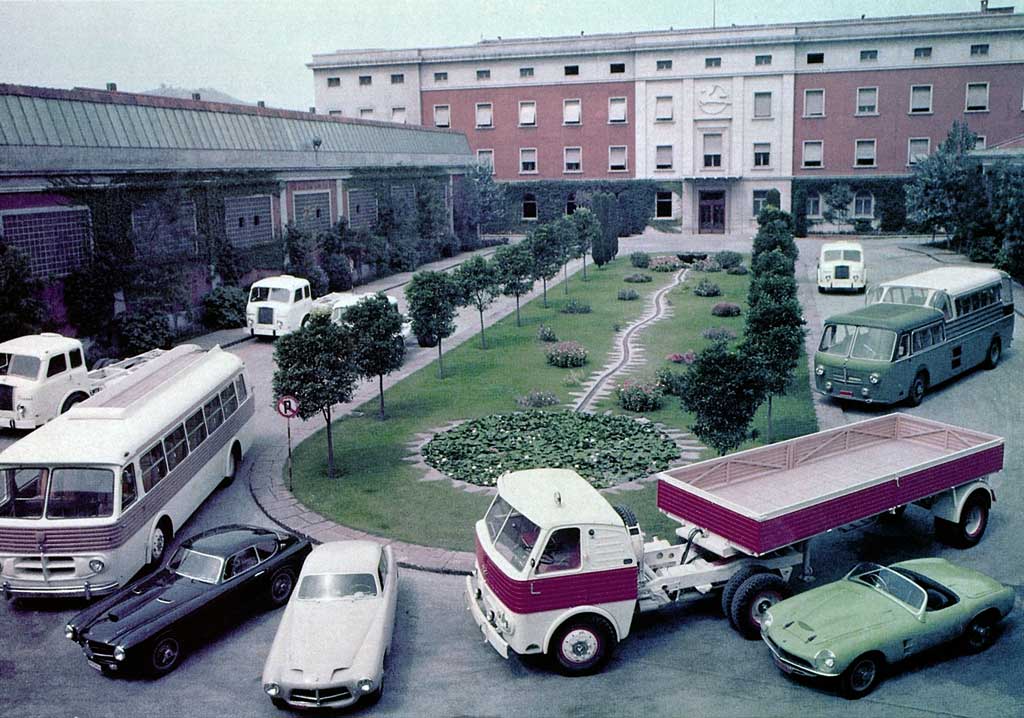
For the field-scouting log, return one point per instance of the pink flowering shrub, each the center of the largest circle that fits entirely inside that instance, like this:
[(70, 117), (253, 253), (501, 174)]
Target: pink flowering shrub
[(567, 355), (639, 395)]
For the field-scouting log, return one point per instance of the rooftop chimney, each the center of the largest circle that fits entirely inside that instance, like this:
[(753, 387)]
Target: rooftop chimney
[(111, 87), (261, 103), (196, 96)]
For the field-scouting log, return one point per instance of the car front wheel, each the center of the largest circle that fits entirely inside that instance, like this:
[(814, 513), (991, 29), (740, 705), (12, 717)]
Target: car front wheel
[(861, 677), (165, 654), (281, 585)]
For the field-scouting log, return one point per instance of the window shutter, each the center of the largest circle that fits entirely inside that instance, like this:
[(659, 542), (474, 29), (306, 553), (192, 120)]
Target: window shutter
[(712, 144), (527, 113), (571, 112), (812, 153), (663, 157), (865, 151), (663, 108), (617, 109), (977, 97), (617, 158), (921, 99), (442, 116), (814, 103), (762, 104), (484, 116)]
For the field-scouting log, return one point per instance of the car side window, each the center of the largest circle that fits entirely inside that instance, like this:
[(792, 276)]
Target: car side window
[(266, 548), (240, 562), (562, 552)]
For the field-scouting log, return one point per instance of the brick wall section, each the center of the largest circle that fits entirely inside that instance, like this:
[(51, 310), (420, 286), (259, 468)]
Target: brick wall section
[(893, 126), (248, 221), (550, 136), (55, 240)]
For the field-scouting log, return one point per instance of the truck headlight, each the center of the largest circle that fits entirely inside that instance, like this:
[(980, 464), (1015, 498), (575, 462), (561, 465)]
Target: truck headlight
[(874, 377), (828, 277), (118, 653), (507, 627), (819, 370), (280, 324), (22, 411), (824, 660), (96, 565), (272, 689), (365, 685), (69, 632), (766, 620)]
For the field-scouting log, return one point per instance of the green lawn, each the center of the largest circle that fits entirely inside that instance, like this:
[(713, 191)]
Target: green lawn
[(379, 492)]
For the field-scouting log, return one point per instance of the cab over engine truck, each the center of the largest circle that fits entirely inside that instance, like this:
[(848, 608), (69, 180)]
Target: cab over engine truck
[(560, 571)]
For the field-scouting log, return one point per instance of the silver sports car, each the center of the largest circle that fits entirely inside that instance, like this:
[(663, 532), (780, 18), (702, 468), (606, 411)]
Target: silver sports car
[(330, 647)]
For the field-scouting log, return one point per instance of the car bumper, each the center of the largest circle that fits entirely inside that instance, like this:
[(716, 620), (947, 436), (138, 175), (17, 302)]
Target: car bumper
[(789, 664), (475, 605)]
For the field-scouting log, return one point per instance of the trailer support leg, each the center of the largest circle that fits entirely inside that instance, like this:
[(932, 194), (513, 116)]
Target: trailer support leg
[(806, 571)]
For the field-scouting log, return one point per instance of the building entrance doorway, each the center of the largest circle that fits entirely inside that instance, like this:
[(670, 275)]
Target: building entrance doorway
[(711, 212)]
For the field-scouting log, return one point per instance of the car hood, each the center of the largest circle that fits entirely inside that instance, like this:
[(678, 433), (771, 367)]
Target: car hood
[(320, 637), (144, 605), (824, 615)]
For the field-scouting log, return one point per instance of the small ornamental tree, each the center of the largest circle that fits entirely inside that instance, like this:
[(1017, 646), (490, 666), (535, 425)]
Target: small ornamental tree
[(563, 232), (376, 328), (433, 301), (317, 366), (515, 272), (547, 257), (722, 392), (482, 205), (775, 231), (605, 208), (773, 262), (774, 335), (588, 231), (478, 284), (21, 312), (837, 203)]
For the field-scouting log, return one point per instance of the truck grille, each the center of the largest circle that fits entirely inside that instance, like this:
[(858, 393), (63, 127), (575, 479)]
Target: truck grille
[(265, 315), (317, 696), (6, 397), (842, 272)]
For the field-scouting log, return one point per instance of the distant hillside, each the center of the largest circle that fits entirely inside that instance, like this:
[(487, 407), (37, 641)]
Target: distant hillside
[(207, 93)]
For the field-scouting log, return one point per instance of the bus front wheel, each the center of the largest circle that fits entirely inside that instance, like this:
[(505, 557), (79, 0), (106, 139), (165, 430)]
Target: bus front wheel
[(995, 353), (918, 389), (159, 542)]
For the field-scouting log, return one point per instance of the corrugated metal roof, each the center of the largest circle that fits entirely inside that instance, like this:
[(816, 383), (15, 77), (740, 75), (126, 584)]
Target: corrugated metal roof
[(46, 130)]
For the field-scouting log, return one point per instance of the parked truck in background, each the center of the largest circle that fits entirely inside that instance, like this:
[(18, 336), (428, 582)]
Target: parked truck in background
[(560, 571), (278, 305)]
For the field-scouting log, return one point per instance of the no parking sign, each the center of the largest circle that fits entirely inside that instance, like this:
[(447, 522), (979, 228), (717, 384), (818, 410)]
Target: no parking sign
[(288, 406)]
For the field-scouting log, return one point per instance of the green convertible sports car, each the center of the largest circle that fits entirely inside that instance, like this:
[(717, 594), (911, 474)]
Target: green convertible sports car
[(852, 629)]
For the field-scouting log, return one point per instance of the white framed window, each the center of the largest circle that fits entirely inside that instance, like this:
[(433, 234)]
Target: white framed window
[(440, 77), (760, 198), (663, 109), (814, 103), (442, 116), (867, 101), (572, 158), (762, 59), (483, 74), (918, 148), (868, 55), (616, 110), (813, 153), (526, 72), (979, 49), (529, 206), (814, 204), (922, 53), (977, 97), (571, 70), (485, 158), (398, 78), (864, 153), (398, 114), (863, 204), (712, 150), (980, 142), (663, 205), (484, 115), (663, 65), (335, 113), (616, 68), (528, 160), (527, 113), (663, 157), (920, 99), (762, 105), (366, 113), (571, 112), (617, 158), (762, 154)]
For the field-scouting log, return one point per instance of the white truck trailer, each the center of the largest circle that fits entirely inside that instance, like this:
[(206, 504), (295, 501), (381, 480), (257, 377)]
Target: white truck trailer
[(559, 571)]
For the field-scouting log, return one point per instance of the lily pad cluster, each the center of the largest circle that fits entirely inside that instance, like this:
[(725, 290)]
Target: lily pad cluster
[(605, 450)]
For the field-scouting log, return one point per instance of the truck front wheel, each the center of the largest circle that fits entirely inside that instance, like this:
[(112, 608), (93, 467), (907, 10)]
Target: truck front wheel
[(755, 596), (582, 646)]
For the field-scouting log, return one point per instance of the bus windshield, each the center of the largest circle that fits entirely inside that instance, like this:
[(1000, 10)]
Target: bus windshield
[(270, 294), (856, 342), (67, 493), (19, 365)]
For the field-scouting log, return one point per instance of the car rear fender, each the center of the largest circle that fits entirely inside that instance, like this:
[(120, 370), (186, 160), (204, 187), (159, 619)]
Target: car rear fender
[(950, 503)]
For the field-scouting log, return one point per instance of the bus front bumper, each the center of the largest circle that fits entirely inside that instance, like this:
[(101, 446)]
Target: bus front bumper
[(29, 590), (474, 601)]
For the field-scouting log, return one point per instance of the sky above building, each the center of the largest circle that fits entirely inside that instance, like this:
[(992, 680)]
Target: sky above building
[(259, 50)]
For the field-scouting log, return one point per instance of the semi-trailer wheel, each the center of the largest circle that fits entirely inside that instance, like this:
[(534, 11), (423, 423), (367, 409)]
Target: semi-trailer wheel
[(862, 676), (733, 585), (582, 645), (755, 596), (969, 530)]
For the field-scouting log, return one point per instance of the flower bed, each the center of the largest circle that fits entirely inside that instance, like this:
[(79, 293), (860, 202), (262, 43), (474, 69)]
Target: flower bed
[(567, 355), (605, 450)]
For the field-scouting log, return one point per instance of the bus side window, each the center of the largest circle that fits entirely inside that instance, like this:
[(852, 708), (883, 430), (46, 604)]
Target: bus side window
[(153, 466), (129, 489), (175, 447), (959, 307), (228, 400), (975, 301), (195, 427), (214, 415), (938, 334), (240, 387), (922, 339), (941, 302), (1006, 291), (904, 347)]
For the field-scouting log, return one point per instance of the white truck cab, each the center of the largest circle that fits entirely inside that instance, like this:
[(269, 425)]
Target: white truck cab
[(841, 266), (278, 305), (337, 302)]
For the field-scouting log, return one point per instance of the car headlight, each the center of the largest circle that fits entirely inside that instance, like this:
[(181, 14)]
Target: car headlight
[(824, 660), (97, 565), (118, 653), (365, 685), (69, 632), (766, 620), (874, 377), (819, 370), (272, 689)]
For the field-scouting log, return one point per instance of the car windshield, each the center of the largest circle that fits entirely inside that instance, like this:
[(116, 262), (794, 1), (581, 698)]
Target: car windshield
[(331, 586), (19, 365), (200, 566), (857, 342), (889, 582), (270, 294), (516, 538)]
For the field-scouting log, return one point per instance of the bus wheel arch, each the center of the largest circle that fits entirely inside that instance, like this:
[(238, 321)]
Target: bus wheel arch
[(159, 540)]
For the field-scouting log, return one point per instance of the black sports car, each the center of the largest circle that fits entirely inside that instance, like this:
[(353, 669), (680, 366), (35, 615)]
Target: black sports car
[(213, 577)]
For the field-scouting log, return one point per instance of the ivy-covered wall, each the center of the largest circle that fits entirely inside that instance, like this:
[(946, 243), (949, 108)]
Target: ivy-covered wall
[(889, 194), (636, 200)]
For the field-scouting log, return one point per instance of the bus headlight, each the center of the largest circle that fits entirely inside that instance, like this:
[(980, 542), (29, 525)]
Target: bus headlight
[(118, 653), (824, 660), (819, 370), (874, 377), (96, 566), (365, 685), (272, 689), (506, 625), (828, 386)]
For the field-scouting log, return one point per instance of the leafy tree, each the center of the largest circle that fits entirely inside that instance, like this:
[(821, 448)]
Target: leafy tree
[(1007, 208), (317, 366), (515, 271), (89, 295), (605, 208), (21, 311), (376, 327), (563, 234), (773, 198), (397, 223), (588, 231), (478, 284), (837, 203), (432, 223), (433, 300), (773, 262), (302, 261), (799, 207), (774, 335), (483, 205), (547, 256), (722, 391)]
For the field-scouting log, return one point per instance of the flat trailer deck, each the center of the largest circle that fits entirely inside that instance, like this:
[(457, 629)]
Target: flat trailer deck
[(766, 498)]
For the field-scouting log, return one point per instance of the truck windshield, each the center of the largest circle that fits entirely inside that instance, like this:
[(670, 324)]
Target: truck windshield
[(270, 294), (19, 365), (858, 342), (512, 534)]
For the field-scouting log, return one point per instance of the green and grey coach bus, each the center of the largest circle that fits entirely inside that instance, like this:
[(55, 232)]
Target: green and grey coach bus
[(916, 332)]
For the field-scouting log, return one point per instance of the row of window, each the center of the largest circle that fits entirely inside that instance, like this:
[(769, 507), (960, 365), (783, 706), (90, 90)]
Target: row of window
[(397, 78), (662, 205), (572, 113), (920, 53), (161, 458), (865, 151), (866, 101), (863, 204), (398, 114)]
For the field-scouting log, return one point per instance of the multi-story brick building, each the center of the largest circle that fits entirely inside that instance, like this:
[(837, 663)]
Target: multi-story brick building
[(716, 117)]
